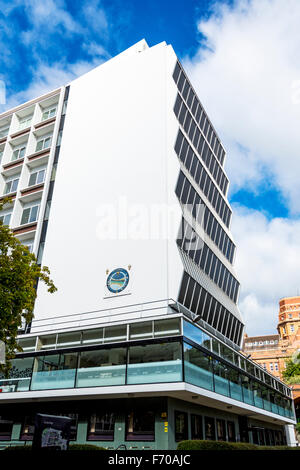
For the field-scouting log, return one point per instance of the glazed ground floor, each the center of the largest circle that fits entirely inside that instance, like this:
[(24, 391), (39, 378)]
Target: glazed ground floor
[(137, 423)]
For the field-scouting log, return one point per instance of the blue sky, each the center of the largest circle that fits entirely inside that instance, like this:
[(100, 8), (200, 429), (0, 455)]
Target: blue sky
[(243, 59)]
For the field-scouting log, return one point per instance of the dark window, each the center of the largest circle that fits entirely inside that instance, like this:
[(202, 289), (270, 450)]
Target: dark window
[(185, 192), (177, 105), (6, 426), (140, 426), (194, 106), (192, 130), (182, 114), (221, 429), (101, 427), (181, 81), (176, 72), (198, 114), (196, 427), (181, 426), (186, 89), (183, 288), (210, 434), (178, 142), (189, 158), (196, 138), (187, 122), (231, 431), (27, 429)]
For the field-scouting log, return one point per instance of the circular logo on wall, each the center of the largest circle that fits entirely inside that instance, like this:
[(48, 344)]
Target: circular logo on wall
[(117, 280)]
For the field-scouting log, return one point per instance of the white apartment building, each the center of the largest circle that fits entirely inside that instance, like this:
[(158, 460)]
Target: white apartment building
[(118, 184)]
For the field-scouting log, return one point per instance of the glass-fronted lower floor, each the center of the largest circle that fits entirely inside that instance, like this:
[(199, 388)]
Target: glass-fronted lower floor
[(136, 423), (191, 358)]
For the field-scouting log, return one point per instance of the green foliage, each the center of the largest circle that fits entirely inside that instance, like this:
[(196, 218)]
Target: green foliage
[(71, 447), (221, 445), (85, 447), (293, 380), (214, 445), (292, 369), (19, 274)]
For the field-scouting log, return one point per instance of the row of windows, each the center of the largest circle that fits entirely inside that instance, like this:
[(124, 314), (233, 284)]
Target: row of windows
[(42, 143), (29, 215), (198, 112), (198, 336), (261, 343), (139, 426), (25, 122), (202, 178), (212, 374), (36, 177), (193, 245), (205, 427), (191, 129), (195, 298), (188, 196)]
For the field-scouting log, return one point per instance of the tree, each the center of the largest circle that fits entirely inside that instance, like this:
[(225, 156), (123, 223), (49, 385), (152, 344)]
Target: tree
[(292, 370), (19, 274)]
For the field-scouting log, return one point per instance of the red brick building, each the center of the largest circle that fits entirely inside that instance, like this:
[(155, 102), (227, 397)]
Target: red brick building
[(272, 351)]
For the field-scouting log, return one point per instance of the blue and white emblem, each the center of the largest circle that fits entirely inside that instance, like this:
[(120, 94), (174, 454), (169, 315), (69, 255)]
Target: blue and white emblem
[(117, 280)]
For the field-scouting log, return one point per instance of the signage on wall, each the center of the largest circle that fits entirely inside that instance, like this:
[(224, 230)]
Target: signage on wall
[(118, 282), (51, 432)]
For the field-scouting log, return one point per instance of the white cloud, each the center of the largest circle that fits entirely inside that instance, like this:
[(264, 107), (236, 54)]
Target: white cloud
[(50, 24), (267, 265), (248, 78)]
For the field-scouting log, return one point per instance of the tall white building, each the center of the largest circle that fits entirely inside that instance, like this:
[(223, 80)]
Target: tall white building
[(118, 185)]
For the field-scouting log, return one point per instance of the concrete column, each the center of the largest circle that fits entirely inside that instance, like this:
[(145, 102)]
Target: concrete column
[(290, 435)]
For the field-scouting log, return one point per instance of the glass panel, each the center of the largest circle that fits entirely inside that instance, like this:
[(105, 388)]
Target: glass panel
[(92, 336), (210, 433), (167, 327), (102, 368), (231, 431), (25, 216), (27, 344), (6, 426), (67, 340), (192, 332), (235, 385), (40, 177), (197, 367), (27, 429), (39, 145), (19, 376), (266, 398), (115, 333), (33, 213), (101, 427), (154, 363), (247, 392), (47, 342), (215, 346), (54, 371), (140, 426), (257, 391), (181, 426), (32, 179), (221, 380), (221, 430), (226, 353), (140, 330), (196, 427)]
